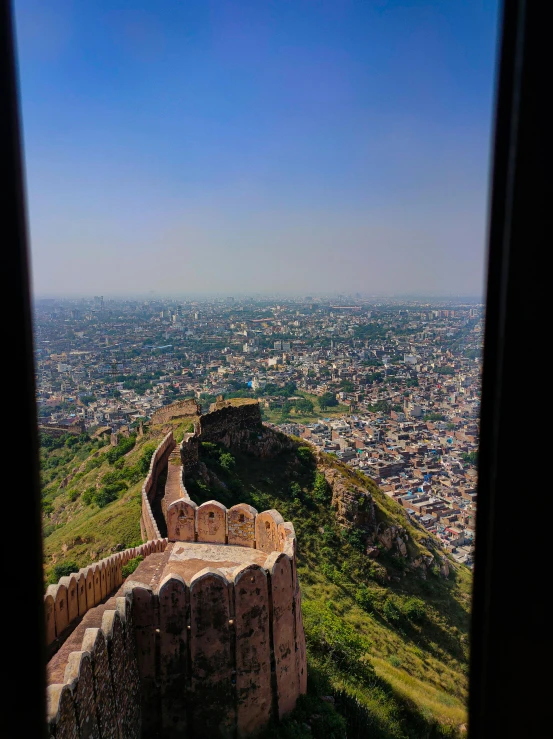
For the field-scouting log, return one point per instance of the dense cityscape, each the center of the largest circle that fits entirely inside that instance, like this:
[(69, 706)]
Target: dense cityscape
[(390, 387)]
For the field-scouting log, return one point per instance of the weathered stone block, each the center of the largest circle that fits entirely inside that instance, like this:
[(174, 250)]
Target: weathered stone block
[(50, 618), (266, 530), (125, 699), (61, 615), (70, 583), (173, 667), (211, 655), (88, 573), (181, 520), (61, 716), (103, 583), (146, 623), (211, 522), (241, 525), (81, 592), (79, 677), (284, 643), (94, 642), (97, 579), (253, 649)]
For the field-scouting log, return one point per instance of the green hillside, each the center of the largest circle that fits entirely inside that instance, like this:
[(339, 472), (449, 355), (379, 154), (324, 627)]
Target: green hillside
[(387, 647), (91, 498), (391, 646)]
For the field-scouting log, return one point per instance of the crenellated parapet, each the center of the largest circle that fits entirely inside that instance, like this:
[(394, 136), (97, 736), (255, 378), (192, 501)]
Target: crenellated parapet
[(67, 602), (99, 693), (219, 656)]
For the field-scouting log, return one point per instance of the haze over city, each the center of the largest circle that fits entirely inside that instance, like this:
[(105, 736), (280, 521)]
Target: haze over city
[(242, 147)]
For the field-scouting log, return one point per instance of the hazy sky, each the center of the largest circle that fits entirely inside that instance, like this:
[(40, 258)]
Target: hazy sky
[(251, 145)]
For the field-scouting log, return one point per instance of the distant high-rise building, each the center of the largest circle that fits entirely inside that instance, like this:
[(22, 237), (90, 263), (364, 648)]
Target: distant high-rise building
[(278, 345)]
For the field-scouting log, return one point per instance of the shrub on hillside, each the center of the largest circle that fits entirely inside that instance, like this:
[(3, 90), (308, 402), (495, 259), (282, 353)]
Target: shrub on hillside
[(390, 611), (356, 538), (305, 455), (131, 565), (209, 449), (63, 569), (92, 463), (123, 447), (295, 491), (108, 493), (143, 463), (227, 461), (331, 573), (414, 609), (334, 638), (322, 492), (365, 598)]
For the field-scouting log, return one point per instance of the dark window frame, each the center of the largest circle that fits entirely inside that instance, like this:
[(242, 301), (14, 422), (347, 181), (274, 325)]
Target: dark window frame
[(511, 646)]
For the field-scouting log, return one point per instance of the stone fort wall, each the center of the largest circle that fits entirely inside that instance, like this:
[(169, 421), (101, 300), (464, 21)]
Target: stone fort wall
[(67, 602), (152, 666), (216, 656), (76, 428), (179, 409), (228, 424), (158, 463), (99, 694)]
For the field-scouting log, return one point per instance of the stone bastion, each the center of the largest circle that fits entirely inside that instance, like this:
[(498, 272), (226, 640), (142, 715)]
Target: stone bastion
[(205, 639)]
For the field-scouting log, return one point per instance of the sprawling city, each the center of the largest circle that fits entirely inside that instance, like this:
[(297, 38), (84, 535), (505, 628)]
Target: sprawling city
[(390, 387)]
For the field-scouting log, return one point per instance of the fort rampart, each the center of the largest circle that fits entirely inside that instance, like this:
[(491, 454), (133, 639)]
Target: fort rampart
[(179, 409), (205, 639), (158, 463), (75, 428), (68, 601), (214, 658), (223, 424)]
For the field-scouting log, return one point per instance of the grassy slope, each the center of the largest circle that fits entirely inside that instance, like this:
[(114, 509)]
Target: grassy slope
[(409, 676), (75, 531)]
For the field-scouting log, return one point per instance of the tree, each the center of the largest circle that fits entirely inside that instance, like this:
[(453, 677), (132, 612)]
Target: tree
[(304, 406), (322, 492), (327, 400), (227, 461), (64, 569)]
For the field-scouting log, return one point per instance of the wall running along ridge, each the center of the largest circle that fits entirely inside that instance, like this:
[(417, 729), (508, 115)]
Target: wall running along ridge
[(158, 463), (218, 656), (67, 602)]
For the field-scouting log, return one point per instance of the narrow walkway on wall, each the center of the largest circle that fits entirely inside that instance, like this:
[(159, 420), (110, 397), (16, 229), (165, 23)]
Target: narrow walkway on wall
[(174, 475), (157, 503)]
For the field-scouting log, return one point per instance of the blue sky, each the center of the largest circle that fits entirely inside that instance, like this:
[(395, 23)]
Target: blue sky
[(293, 146)]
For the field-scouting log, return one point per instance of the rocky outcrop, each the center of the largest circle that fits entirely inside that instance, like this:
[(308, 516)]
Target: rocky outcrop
[(354, 506), (393, 536), (401, 547)]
